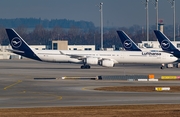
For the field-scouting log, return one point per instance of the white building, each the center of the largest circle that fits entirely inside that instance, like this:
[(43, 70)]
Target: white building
[(81, 47), (156, 45), (63, 45), (5, 54)]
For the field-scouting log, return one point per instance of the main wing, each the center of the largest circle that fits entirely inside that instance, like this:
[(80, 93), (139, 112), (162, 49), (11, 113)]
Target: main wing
[(82, 57)]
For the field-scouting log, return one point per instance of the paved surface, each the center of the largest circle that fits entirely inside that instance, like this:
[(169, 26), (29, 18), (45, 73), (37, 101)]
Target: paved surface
[(19, 89)]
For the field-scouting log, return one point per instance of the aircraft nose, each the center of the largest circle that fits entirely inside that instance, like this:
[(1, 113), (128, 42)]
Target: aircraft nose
[(177, 60)]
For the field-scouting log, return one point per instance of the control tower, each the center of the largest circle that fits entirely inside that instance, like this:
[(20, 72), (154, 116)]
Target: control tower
[(161, 25)]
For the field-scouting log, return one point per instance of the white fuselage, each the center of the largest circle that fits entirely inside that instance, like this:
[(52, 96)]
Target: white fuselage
[(115, 56)]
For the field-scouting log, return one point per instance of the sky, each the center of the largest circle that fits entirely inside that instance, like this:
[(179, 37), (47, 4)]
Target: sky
[(116, 13)]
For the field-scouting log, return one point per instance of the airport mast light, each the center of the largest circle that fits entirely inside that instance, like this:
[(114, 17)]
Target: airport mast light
[(172, 2), (101, 21), (147, 19), (178, 30), (156, 7)]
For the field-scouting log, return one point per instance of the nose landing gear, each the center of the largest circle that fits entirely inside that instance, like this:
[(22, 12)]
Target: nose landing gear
[(162, 66)]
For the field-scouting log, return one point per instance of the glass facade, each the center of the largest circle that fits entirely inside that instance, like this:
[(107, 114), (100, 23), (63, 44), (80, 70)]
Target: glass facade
[(55, 46)]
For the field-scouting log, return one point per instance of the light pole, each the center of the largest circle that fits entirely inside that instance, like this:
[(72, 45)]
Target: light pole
[(94, 40), (147, 19), (156, 7), (178, 30), (172, 2), (101, 22)]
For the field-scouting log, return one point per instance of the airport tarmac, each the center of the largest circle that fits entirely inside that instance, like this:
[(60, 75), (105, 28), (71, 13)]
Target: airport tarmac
[(19, 89)]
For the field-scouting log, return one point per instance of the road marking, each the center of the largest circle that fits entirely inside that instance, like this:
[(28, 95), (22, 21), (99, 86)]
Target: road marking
[(19, 81), (60, 97), (45, 94), (84, 88)]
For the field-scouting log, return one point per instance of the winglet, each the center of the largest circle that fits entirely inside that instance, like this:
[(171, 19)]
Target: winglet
[(127, 42)]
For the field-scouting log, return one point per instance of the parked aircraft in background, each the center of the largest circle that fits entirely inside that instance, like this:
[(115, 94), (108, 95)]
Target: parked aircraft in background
[(131, 46), (87, 58), (166, 44)]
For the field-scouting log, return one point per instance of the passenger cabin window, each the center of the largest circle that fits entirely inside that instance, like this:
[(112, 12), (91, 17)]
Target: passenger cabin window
[(74, 48)]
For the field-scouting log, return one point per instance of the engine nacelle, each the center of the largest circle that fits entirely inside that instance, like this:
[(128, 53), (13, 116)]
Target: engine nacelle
[(107, 63), (92, 61)]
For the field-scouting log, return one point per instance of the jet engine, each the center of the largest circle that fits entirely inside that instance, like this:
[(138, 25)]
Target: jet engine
[(92, 61), (107, 63)]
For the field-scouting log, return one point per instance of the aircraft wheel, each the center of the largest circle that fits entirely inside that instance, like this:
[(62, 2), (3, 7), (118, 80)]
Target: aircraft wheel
[(82, 67), (87, 67), (162, 67)]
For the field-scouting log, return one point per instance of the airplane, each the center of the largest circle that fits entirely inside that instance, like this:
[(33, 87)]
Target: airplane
[(87, 58), (166, 44), (124, 38)]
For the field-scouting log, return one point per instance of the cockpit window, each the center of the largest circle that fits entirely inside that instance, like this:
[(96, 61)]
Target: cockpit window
[(171, 56)]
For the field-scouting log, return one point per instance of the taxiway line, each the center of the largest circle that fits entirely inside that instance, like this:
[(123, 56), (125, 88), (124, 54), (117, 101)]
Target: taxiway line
[(19, 81)]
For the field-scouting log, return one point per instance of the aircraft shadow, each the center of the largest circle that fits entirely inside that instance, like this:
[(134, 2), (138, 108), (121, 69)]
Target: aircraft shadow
[(46, 68)]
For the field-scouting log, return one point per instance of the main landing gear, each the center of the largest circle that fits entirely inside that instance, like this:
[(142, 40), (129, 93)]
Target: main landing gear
[(85, 67)]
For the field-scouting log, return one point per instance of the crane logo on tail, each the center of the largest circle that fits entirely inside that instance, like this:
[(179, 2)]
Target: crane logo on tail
[(127, 44), (165, 44), (16, 42)]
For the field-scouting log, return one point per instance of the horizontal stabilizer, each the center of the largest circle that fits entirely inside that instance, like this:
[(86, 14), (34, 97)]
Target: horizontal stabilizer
[(15, 51)]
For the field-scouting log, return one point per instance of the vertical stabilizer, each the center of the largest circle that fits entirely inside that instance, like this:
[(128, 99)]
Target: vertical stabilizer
[(164, 42), (19, 46), (127, 43)]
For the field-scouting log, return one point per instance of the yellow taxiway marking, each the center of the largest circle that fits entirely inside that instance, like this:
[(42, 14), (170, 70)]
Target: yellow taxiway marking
[(60, 97), (19, 81), (85, 88), (44, 94)]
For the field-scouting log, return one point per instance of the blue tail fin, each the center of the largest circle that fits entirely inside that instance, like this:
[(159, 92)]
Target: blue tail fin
[(19, 45), (164, 42), (127, 43)]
